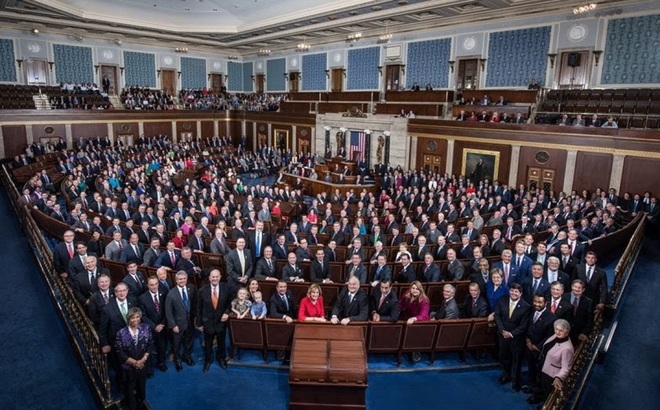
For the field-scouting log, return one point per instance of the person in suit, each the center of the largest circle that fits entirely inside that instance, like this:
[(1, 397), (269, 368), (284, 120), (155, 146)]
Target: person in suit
[(540, 328), (280, 248), (186, 263), (213, 309), (356, 268), (219, 243), (281, 304), (583, 311), (152, 304), (577, 248), (594, 278), (455, 269), (351, 305), (114, 248), (497, 245), (448, 308), (150, 256), (136, 283), (164, 282), (319, 269), (196, 242), (512, 318), (465, 251), (266, 268), (520, 263), (180, 308), (77, 264), (84, 283), (113, 318), (408, 273), (555, 361), (536, 284), (238, 265), (431, 271), (567, 262), (383, 303), (552, 273), (561, 308), (381, 271), (475, 305), (63, 253), (132, 345), (291, 272), (99, 299), (257, 240), (440, 252), (133, 252)]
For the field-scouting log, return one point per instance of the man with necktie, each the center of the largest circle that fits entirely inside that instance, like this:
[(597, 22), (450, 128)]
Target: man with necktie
[(152, 304), (594, 278), (212, 313), (351, 305), (180, 307), (512, 315), (113, 318), (238, 265), (320, 268), (103, 295), (282, 304)]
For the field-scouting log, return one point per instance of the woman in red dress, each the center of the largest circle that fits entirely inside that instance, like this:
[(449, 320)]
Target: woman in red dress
[(179, 239), (311, 306)]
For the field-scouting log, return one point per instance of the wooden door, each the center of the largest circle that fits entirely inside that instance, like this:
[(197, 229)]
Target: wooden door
[(468, 74), (261, 83), (110, 72), (36, 72), (127, 139), (337, 80), (574, 69), (294, 81), (541, 178), (216, 83), (432, 163), (168, 81), (392, 77)]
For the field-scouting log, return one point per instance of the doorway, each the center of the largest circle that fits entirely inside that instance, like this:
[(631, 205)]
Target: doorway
[(541, 178), (468, 74), (294, 81), (393, 77), (110, 72), (126, 139), (260, 82), (337, 84), (36, 72), (168, 81), (432, 163), (216, 83), (573, 69)]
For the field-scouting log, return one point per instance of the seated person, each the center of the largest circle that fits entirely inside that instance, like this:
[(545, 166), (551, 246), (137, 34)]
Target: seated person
[(351, 304), (311, 306)]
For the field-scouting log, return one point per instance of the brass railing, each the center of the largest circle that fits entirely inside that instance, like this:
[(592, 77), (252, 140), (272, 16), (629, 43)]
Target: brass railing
[(587, 351), (80, 330)]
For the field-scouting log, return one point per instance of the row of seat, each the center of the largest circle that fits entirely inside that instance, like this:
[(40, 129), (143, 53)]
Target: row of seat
[(623, 121), (600, 107), (637, 95)]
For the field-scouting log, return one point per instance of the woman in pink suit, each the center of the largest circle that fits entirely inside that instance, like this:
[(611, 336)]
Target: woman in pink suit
[(557, 358)]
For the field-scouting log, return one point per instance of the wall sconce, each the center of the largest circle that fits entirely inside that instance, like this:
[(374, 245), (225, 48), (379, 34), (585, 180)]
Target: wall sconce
[(380, 70), (403, 69), (597, 54), (20, 63), (227, 78), (327, 128), (343, 70), (117, 41), (158, 73), (327, 74), (96, 68), (552, 60), (233, 56), (121, 70), (178, 74), (51, 64), (286, 75), (253, 78), (451, 65), (386, 133), (483, 63)]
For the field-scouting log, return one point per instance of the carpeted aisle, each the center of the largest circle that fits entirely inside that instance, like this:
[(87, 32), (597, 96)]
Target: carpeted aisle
[(38, 369)]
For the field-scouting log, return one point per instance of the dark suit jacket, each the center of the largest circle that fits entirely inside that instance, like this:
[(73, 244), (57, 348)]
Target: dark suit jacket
[(384, 274), (165, 260), (133, 288), (279, 252), (583, 316), (455, 271), (187, 265), (112, 321), (175, 310), (150, 315), (357, 310), (596, 289), (277, 308), (61, 257), (407, 274), (289, 272), (388, 310), (317, 272), (564, 309), (128, 254), (432, 273), (518, 322), (209, 317), (440, 253), (76, 265), (472, 309), (96, 305), (233, 266), (252, 245), (447, 310), (82, 289), (496, 247), (478, 278), (528, 288), (194, 244), (561, 277), (262, 271), (542, 329)]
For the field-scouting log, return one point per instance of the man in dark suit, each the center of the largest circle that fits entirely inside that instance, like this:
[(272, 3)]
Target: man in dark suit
[(552, 273), (475, 305), (431, 271), (180, 307), (381, 272), (152, 304), (113, 318), (482, 275), (136, 283), (282, 305), (77, 264), (187, 263), (384, 303), (63, 253), (583, 311), (257, 240), (355, 268), (567, 263), (320, 269), (560, 307), (133, 252), (512, 316), (99, 299), (196, 242), (577, 248), (351, 305), (539, 330), (84, 283), (212, 313), (440, 252), (280, 250), (594, 278), (408, 273), (455, 269), (238, 265), (448, 308), (535, 284), (265, 268)]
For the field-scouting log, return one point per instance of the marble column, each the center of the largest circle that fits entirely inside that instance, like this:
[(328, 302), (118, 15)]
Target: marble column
[(2, 144), (216, 128), (413, 152), (569, 176), (617, 171), (140, 129), (513, 167), (111, 132), (174, 136), (449, 163), (29, 136), (67, 131)]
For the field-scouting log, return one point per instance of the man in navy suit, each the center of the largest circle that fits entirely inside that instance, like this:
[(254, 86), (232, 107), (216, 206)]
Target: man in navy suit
[(384, 303), (512, 316), (539, 330), (594, 278), (212, 314), (134, 252), (520, 262), (180, 307), (282, 305), (113, 319), (136, 283), (535, 284), (169, 258), (381, 271), (152, 304), (475, 305), (63, 253), (431, 271), (351, 305)]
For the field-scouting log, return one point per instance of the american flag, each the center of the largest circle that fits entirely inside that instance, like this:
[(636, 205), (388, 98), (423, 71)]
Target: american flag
[(358, 143)]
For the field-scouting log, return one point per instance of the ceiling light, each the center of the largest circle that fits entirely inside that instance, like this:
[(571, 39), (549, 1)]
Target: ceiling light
[(585, 8), (264, 52), (233, 56), (353, 37), (385, 37), (302, 47), (181, 49)]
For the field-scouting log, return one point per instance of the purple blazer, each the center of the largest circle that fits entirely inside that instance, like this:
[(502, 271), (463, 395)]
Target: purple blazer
[(125, 346)]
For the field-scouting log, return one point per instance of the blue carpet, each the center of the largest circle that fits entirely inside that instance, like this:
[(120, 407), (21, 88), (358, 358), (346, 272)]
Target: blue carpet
[(628, 379), (38, 369)]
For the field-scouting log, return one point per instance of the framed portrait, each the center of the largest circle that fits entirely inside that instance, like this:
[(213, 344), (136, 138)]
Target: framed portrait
[(280, 139), (480, 164)]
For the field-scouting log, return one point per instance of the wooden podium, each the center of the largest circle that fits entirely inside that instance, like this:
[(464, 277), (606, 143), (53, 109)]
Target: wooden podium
[(328, 367)]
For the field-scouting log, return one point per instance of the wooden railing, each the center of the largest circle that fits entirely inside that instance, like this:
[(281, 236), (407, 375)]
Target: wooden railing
[(79, 328)]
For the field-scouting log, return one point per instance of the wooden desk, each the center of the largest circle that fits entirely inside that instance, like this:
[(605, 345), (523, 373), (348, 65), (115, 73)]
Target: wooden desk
[(328, 367), (317, 186)]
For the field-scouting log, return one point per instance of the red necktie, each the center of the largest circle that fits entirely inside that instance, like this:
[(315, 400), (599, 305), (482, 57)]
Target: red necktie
[(70, 249), (553, 308), (172, 258)]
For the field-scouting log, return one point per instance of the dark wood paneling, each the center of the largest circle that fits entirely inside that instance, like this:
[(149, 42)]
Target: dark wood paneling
[(207, 129), (249, 134), (352, 96), (304, 136), (235, 131), (640, 174), (87, 131), (15, 140), (58, 130), (158, 128), (512, 110), (557, 162), (128, 128), (505, 157), (512, 96), (427, 110), (420, 96), (341, 107), (423, 148), (592, 170)]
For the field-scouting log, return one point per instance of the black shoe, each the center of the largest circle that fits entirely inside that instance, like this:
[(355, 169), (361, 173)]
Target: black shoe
[(503, 379), (207, 366), (162, 367), (416, 357), (223, 363), (178, 366), (189, 361), (281, 355)]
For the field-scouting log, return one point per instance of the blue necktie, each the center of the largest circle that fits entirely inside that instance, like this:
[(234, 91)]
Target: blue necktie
[(184, 296), (258, 247)]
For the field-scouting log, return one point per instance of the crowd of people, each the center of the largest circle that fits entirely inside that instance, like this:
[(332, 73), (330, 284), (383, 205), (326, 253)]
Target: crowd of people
[(141, 98), (524, 294)]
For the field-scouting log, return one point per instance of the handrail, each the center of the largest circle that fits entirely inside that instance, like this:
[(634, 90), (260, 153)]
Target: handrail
[(79, 328)]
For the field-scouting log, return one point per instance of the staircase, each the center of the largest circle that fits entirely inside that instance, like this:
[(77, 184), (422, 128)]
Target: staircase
[(41, 102), (116, 102)]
